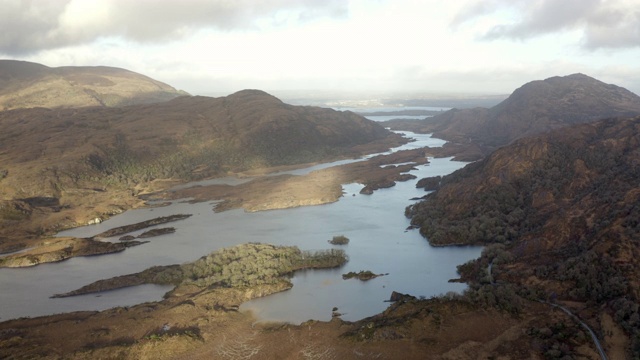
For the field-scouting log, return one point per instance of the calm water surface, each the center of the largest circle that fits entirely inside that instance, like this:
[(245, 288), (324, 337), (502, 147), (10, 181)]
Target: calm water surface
[(375, 224)]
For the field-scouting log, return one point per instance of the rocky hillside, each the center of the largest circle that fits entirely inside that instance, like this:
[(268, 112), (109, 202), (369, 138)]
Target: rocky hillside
[(28, 85), (563, 206), (536, 107)]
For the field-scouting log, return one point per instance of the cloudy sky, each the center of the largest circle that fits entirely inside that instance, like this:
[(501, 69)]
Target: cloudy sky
[(380, 46)]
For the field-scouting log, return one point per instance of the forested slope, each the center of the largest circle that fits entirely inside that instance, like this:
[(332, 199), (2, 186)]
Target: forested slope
[(564, 208)]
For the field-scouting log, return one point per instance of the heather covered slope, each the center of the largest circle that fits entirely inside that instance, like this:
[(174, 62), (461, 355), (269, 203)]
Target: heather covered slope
[(564, 208), (536, 107), (28, 85)]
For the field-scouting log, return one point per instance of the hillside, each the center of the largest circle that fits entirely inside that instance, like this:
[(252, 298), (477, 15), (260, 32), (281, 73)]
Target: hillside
[(564, 208), (54, 162), (28, 85), (536, 107)]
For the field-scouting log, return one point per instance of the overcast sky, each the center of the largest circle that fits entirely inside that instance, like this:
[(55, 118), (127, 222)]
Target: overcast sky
[(381, 46)]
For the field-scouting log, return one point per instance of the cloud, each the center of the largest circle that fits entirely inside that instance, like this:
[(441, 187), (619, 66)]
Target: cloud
[(29, 26), (603, 23)]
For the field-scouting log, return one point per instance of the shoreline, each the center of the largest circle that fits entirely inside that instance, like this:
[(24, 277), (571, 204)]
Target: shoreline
[(316, 188)]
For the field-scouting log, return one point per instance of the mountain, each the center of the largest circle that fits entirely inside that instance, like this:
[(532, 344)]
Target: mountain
[(28, 85), (65, 167), (536, 107), (563, 208), (185, 138), (535, 184)]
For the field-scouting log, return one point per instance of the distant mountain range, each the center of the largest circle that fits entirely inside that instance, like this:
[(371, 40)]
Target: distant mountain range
[(536, 107), (28, 85)]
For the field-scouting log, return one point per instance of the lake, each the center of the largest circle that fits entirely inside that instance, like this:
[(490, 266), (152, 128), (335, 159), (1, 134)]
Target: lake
[(375, 224), (381, 110)]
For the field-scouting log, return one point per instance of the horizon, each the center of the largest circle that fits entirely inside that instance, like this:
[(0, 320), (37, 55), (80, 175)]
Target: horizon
[(206, 47)]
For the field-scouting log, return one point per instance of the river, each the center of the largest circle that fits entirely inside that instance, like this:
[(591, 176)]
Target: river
[(375, 224)]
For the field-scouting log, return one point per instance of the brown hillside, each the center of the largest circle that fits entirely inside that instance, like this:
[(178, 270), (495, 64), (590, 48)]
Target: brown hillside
[(28, 85), (47, 150), (565, 207), (536, 107), (54, 162)]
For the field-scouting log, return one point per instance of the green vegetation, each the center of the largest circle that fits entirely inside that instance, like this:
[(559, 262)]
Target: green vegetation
[(254, 264), (487, 290), (558, 340), (562, 208), (597, 280), (11, 211), (238, 266), (522, 204), (339, 240), (195, 159), (163, 332), (429, 183)]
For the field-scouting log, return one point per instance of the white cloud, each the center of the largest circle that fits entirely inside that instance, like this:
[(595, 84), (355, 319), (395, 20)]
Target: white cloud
[(30, 26), (602, 23), (360, 45)]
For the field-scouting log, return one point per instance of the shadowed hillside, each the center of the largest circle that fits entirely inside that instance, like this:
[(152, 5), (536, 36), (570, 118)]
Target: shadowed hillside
[(28, 85), (564, 206), (536, 107)]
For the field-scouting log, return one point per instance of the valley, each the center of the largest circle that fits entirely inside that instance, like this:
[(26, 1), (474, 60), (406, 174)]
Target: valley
[(551, 197)]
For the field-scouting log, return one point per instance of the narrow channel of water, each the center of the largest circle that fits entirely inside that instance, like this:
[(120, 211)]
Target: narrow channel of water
[(375, 224)]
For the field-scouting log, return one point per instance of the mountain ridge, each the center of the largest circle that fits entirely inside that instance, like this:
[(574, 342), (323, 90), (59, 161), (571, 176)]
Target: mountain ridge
[(27, 85), (535, 107)]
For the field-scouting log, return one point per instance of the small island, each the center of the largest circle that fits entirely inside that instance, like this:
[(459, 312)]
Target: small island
[(363, 275), (243, 265), (339, 240)]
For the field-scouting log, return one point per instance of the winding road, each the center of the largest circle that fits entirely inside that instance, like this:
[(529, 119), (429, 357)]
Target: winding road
[(603, 355)]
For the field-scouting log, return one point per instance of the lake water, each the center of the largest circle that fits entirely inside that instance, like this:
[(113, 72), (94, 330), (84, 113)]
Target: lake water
[(394, 117), (370, 109), (375, 224), (381, 116)]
